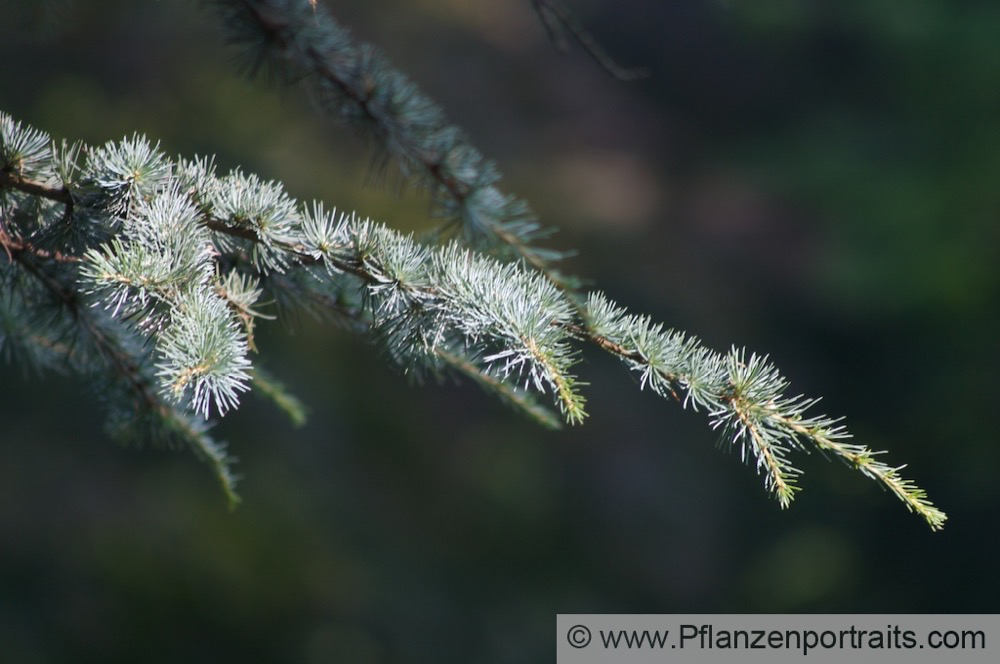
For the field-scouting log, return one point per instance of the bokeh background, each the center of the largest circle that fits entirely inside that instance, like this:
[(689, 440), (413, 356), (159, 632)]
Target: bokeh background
[(819, 181)]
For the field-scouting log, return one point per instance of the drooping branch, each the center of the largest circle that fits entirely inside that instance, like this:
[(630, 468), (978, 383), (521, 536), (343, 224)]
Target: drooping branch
[(123, 364), (745, 398), (187, 251)]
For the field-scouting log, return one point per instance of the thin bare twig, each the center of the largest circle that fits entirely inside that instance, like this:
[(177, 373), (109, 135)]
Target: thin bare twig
[(558, 21)]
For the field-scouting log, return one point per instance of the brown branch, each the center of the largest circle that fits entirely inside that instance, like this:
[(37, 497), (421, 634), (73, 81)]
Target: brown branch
[(558, 20), (304, 256), (275, 30), (13, 245), (14, 181), (617, 349)]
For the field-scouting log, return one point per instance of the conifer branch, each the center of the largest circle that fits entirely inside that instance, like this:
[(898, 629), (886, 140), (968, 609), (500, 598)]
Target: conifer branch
[(271, 388), (863, 459), (29, 165), (175, 258), (519, 400), (451, 360), (354, 83), (11, 180), (744, 398), (128, 370), (12, 246)]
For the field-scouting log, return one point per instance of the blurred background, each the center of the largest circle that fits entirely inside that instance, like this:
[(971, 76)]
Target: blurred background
[(813, 180)]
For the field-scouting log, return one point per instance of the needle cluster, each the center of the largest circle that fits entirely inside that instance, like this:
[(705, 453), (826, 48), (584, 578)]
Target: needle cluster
[(148, 273)]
